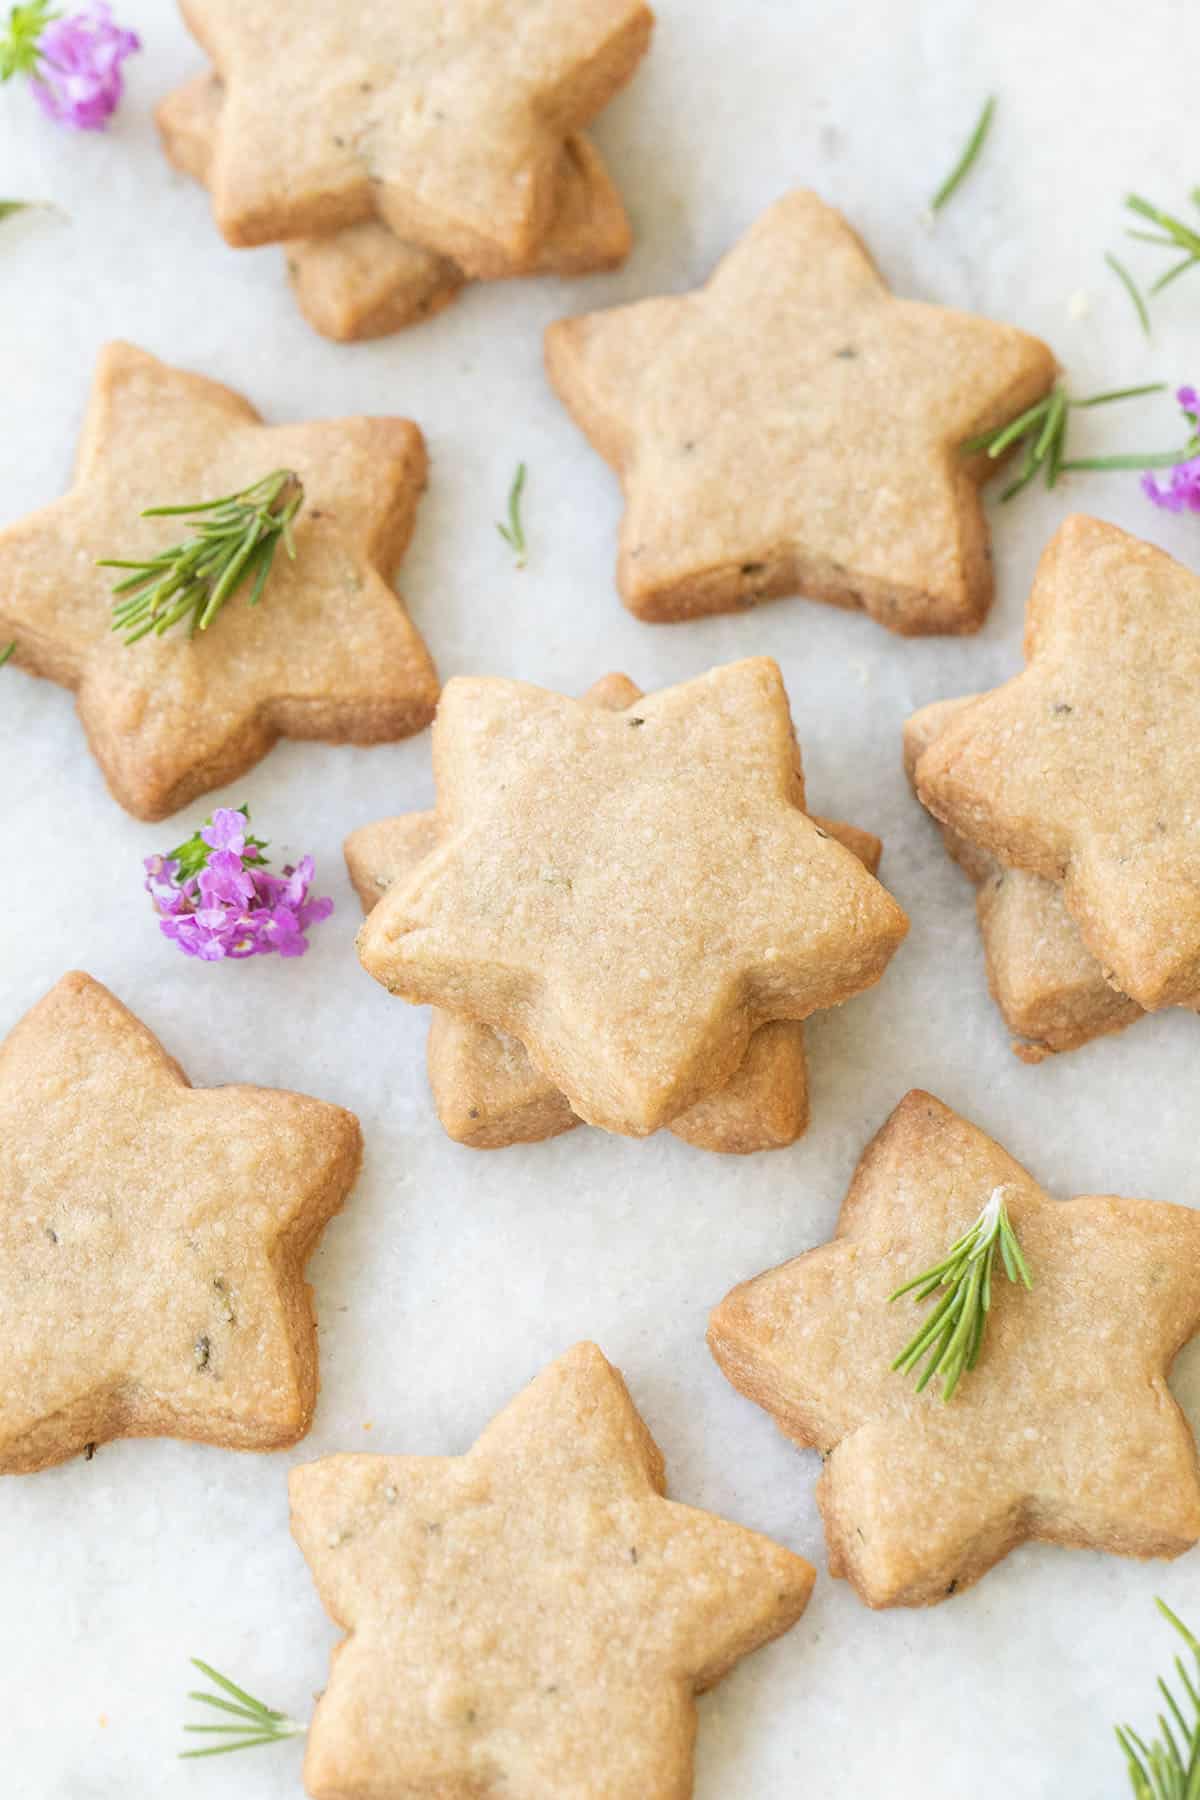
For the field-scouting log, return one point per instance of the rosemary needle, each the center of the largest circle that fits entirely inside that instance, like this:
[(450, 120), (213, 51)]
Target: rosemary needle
[(952, 1335), (514, 532), (7, 652), (235, 540), (1168, 1769), (257, 1723), (1170, 233), (1131, 288), (967, 160)]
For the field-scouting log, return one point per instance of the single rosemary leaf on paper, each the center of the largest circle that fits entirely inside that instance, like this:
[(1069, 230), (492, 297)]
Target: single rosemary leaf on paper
[(1170, 233), (256, 1723), (1042, 432), (8, 650), (1169, 1769), (952, 1335), (967, 160), (235, 541), (514, 532), (1131, 288)]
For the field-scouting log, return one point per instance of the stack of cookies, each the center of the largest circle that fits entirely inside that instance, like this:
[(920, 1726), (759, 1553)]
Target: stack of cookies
[(399, 153), (621, 911), (1066, 794)]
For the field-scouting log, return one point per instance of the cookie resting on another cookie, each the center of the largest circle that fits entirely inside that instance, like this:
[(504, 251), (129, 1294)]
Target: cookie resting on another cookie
[(1065, 1431), (329, 652), (629, 894), (792, 427), (153, 1238), (1049, 988), (443, 118), (487, 1092), (1085, 769), (365, 282), (534, 1617)]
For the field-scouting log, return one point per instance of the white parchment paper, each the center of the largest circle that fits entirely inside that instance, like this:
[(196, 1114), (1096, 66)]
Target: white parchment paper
[(453, 1276)]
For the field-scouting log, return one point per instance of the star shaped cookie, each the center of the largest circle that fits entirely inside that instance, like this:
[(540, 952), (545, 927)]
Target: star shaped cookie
[(629, 894), (532, 1617), (1047, 984), (1085, 769), (443, 118), (1064, 1432), (328, 653), (365, 282), (487, 1092), (792, 427), (153, 1238)]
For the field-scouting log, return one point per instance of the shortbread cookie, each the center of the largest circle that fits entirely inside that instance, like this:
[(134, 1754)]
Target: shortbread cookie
[(1065, 1431), (1050, 989), (445, 119), (629, 894), (328, 653), (1086, 768), (489, 1095), (487, 1092), (365, 282), (793, 428), (153, 1238), (533, 1618)]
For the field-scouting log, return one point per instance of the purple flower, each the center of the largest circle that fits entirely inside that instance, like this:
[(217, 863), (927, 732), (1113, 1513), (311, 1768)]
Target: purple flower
[(1181, 491), (216, 898), (77, 79)]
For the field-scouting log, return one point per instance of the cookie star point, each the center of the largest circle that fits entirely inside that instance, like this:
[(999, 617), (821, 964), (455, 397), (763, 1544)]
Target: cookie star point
[(624, 894), (330, 652), (1065, 1431), (792, 427), (530, 1589), (152, 1239)]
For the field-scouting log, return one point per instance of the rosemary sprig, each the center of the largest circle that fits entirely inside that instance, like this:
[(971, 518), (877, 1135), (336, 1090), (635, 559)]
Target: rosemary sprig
[(256, 1722), (514, 532), (1166, 1769), (1042, 430), (1131, 288), (236, 538), (967, 160), (952, 1335), (7, 652), (1170, 233)]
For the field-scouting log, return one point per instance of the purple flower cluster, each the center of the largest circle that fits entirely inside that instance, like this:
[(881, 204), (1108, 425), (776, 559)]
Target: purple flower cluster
[(77, 80), (1181, 492), (216, 899)]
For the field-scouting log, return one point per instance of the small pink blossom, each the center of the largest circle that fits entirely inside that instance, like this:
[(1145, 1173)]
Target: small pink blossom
[(216, 898), (77, 80)]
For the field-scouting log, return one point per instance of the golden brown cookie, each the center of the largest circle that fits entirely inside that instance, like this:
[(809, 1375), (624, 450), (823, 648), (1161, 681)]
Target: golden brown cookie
[(1065, 1431), (329, 652), (629, 894), (1085, 769), (365, 282), (792, 427), (534, 1617), (153, 1238), (1049, 988), (445, 119), (489, 1095)]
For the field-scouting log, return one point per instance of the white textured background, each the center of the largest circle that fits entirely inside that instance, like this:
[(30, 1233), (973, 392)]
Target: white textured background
[(454, 1275)]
